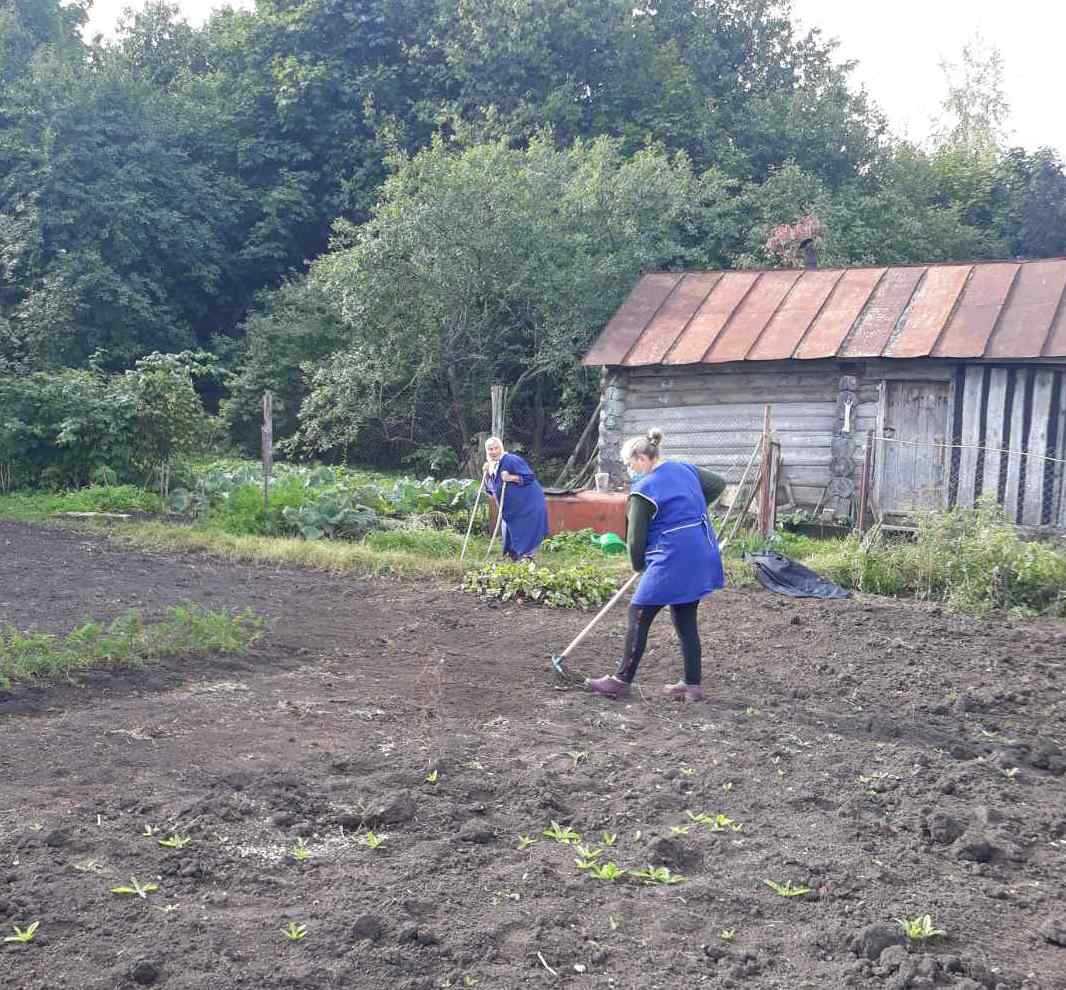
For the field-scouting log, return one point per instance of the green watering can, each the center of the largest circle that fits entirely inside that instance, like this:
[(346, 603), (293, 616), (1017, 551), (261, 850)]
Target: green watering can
[(610, 543)]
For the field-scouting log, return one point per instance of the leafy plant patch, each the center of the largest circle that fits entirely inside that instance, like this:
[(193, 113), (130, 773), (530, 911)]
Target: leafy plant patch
[(577, 586), (128, 641)]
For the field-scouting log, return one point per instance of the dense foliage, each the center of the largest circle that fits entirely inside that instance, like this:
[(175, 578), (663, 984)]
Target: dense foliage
[(374, 208)]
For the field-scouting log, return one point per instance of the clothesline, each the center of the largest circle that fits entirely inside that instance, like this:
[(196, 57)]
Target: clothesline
[(972, 446)]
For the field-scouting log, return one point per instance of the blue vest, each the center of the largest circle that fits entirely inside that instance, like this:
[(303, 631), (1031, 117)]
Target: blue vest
[(682, 561)]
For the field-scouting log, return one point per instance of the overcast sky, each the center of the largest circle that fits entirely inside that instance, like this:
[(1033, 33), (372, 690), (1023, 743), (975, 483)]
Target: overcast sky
[(899, 45)]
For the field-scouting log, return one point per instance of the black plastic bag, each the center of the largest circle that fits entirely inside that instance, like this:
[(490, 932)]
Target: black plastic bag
[(777, 573)]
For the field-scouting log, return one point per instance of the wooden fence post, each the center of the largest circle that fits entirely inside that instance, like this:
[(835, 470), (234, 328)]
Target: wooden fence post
[(268, 446), (767, 478), (866, 480)]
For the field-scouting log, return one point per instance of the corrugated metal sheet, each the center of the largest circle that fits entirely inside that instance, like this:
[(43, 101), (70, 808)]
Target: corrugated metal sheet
[(995, 310)]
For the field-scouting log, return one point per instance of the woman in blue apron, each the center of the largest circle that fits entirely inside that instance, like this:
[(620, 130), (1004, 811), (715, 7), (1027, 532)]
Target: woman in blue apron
[(525, 512), (671, 541)]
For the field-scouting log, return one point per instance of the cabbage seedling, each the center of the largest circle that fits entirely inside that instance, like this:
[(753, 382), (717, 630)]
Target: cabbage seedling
[(294, 932), (728, 934), (566, 836), (606, 871), (299, 851), (432, 777), (23, 934), (921, 928), (175, 841), (658, 875), (371, 840), (609, 838), (136, 888), (524, 842), (786, 889)]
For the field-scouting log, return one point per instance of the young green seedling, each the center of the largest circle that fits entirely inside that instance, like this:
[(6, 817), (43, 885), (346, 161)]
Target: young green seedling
[(658, 875), (433, 776), (609, 838), (606, 871), (715, 823), (299, 851), (614, 921), (787, 889), (578, 757), (136, 889), (687, 771), (23, 934), (294, 932), (728, 934), (524, 842), (586, 853), (372, 840), (920, 929), (150, 830), (565, 836), (680, 829), (175, 841)]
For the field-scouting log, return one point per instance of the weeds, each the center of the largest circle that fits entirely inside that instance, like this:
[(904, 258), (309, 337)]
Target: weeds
[(136, 889), (787, 889), (920, 929), (127, 641), (23, 934)]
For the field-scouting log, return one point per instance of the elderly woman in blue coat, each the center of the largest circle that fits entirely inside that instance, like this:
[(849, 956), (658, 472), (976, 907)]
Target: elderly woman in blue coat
[(514, 486), (672, 542)]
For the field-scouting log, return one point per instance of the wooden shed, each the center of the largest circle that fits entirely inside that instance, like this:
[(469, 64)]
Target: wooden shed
[(955, 370)]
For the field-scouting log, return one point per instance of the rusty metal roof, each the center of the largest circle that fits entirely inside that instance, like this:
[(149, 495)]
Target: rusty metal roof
[(997, 310)]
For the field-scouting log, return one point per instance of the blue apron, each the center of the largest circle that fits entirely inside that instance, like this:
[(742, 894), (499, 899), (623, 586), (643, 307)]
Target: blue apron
[(525, 510), (682, 561)]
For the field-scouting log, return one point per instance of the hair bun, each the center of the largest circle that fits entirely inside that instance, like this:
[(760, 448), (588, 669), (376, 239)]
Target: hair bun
[(655, 437)]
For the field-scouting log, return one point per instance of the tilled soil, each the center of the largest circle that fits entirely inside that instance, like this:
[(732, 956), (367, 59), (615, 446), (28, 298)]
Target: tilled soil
[(894, 758)]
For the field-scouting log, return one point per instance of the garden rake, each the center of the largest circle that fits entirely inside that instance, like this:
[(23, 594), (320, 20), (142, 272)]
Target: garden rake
[(473, 516), (559, 660)]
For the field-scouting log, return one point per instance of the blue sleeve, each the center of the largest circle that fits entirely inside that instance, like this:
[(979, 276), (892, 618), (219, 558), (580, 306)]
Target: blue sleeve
[(517, 465)]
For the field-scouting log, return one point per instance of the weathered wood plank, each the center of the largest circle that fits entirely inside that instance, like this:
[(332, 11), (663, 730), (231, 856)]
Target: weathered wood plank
[(914, 371), (972, 397), (1016, 442), (738, 411), (1060, 514), (781, 397), (997, 404), (1037, 474)]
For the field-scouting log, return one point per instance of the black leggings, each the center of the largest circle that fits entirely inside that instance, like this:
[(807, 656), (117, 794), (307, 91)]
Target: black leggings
[(688, 632)]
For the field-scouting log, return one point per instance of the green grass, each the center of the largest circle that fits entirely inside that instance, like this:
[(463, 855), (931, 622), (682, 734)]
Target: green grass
[(127, 641), (32, 506)]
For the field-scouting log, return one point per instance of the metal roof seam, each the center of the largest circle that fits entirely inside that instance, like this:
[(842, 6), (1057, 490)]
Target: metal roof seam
[(658, 309), (688, 322), (725, 326), (1003, 309), (777, 309), (1059, 314), (857, 322), (901, 320), (951, 313), (817, 313)]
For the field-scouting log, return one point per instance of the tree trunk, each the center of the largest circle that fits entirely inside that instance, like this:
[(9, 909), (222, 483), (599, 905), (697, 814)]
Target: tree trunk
[(457, 406), (539, 419)]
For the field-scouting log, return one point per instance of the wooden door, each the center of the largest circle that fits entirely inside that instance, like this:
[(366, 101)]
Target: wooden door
[(911, 463)]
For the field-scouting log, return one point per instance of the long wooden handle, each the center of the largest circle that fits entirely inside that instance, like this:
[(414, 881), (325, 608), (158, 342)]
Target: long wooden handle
[(499, 519), (473, 514), (602, 612)]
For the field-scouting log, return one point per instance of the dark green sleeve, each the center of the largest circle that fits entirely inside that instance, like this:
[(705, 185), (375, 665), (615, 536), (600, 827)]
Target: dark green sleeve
[(638, 514), (712, 484)]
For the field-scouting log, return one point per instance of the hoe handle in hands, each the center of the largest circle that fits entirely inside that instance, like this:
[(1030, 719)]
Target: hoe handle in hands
[(499, 519), (599, 615), (473, 515)]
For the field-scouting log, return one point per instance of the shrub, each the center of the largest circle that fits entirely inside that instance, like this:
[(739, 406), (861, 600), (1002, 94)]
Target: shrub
[(573, 542), (972, 559), (577, 586)]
